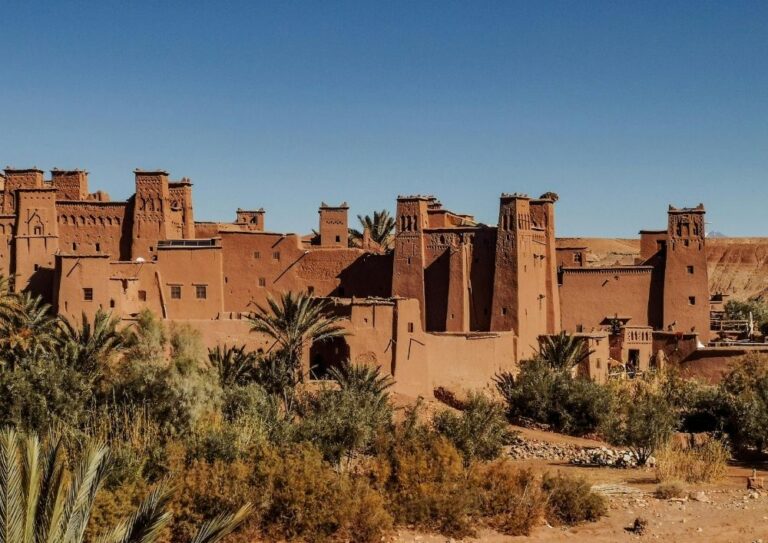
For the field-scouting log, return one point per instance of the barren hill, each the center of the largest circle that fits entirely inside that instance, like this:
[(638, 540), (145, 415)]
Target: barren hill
[(737, 266)]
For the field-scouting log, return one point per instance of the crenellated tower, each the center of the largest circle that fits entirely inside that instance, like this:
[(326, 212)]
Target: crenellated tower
[(408, 268), (152, 217), (686, 288)]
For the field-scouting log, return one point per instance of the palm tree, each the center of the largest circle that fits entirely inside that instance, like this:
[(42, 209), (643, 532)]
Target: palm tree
[(381, 226), (235, 365), (361, 378), (563, 351), (294, 321), (28, 330), (87, 347), (41, 501)]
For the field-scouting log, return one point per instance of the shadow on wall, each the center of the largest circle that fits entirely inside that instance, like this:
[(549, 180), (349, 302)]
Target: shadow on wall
[(370, 275), (324, 355)]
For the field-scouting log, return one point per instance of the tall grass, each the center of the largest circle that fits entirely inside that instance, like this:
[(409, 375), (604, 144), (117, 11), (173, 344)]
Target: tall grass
[(702, 463)]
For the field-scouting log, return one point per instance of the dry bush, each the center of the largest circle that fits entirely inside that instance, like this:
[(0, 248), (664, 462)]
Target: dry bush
[(313, 502), (425, 482), (702, 463), (571, 501), (668, 490), (510, 499)]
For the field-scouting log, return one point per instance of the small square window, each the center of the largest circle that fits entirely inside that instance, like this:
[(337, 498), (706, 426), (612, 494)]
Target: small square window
[(176, 292), (692, 300), (338, 239), (88, 294), (257, 254), (690, 269), (262, 282), (142, 295), (276, 255), (201, 292)]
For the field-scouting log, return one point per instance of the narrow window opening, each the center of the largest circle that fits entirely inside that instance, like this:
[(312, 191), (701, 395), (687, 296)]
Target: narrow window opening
[(142, 295), (88, 294)]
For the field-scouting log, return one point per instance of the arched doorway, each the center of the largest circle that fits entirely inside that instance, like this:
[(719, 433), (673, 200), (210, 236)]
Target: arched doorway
[(324, 355)]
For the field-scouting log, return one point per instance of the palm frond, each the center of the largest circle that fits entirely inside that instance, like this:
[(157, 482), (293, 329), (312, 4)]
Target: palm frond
[(221, 526)]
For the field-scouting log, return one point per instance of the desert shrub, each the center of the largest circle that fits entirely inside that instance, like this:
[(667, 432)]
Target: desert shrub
[(641, 419), (43, 393), (311, 501), (571, 500), (669, 490), (545, 395), (206, 489), (745, 397), (479, 432), (259, 414), (342, 421), (509, 499), (736, 309), (146, 340), (114, 504), (702, 463), (425, 481)]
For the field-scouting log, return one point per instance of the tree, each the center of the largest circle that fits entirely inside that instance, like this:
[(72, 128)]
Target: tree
[(235, 365), (42, 501), (28, 329), (295, 321), (381, 226), (91, 345), (562, 351), (642, 420)]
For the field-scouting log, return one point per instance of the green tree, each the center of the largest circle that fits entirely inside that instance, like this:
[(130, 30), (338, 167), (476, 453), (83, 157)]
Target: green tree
[(381, 226), (235, 365), (28, 330), (294, 321), (92, 344), (43, 501), (562, 351)]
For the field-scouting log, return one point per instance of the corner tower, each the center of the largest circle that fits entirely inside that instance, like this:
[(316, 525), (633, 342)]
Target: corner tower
[(686, 288)]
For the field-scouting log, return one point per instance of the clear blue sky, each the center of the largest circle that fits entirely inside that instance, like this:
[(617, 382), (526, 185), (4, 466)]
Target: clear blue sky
[(619, 107)]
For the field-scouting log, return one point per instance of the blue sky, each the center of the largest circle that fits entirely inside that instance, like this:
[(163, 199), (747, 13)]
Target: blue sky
[(621, 108)]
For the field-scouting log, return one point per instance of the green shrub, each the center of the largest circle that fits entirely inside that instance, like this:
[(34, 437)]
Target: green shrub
[(342, 421), (545, 395), (641, 419), (479, 432), (571, 501), (745, 397)]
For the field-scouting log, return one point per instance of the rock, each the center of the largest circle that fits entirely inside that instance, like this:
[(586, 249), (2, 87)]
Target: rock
[(699, 497), (638, 527)]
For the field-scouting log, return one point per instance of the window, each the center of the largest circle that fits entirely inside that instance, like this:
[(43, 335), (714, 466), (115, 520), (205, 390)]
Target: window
[(38, 230), (690, 269), (276, 255), (410, 327), (98, 247), (74, 246), (661, 244), (142, 295), (262, 282), (201, 292), (257, 254), (338, 239), (503, 310), (175, 292), (310, 289), (88, 294), (577, 258), (579, 328), (111, 303), (691, 300)]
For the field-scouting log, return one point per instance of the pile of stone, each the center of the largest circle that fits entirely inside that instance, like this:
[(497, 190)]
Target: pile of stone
[(605, 457), (522, 449)]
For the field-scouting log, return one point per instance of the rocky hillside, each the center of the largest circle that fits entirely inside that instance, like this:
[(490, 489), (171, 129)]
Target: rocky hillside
[(737, 266)]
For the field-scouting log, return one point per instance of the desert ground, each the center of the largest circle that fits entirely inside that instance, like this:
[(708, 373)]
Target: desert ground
[(727, 512)]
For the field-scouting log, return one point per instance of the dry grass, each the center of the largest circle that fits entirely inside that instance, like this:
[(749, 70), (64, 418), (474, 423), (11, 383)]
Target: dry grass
[(703, 463), (668, 490)]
